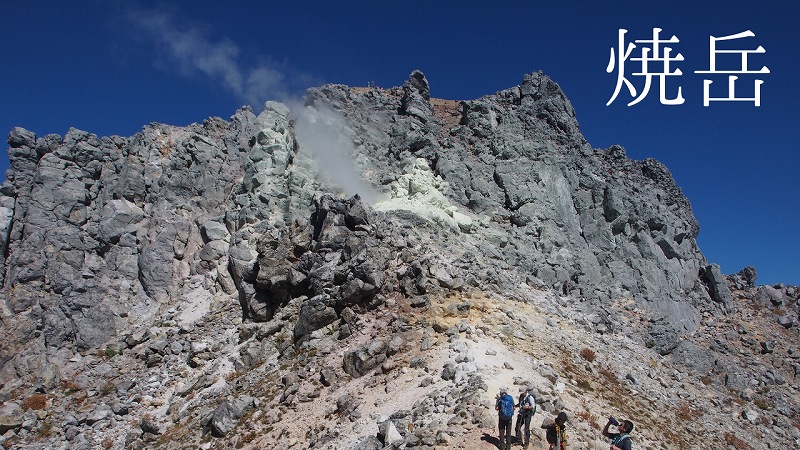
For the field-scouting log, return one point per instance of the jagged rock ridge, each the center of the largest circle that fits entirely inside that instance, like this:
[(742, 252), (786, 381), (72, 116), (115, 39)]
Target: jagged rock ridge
[(133, 245), (129, 219)]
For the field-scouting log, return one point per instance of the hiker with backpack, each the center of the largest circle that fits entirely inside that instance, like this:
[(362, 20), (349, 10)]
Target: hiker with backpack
[(556, 432), (527, 408), (505, 415), (621, 440)]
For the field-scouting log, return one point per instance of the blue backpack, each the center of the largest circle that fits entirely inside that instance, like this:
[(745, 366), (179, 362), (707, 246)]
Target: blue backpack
[(506, 407)]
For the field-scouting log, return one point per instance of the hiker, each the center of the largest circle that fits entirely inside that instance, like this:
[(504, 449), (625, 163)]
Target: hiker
[(556, 432), (565, 288), (621, 440), (527, 408), (505, 414)]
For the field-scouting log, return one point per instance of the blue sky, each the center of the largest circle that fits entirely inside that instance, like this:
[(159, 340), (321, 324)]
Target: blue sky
[(111, 67)]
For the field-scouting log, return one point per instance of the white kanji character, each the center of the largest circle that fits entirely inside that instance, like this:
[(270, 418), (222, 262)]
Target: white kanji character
[(713, 52), (645, 60)]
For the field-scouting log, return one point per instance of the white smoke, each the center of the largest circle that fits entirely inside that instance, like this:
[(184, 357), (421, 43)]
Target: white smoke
[(320, 131), (190, 50), (324, 134)]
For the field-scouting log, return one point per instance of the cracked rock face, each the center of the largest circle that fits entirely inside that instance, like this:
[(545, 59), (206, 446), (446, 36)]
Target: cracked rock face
[(138, 246), (608, 225), (101, 233)]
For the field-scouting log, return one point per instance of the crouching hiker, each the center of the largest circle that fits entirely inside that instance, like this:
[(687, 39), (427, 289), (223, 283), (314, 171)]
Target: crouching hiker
[(527, 408), (622, 439), (556, 432), (505, 415)]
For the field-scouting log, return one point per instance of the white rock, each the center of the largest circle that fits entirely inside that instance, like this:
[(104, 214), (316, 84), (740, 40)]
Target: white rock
[(750, 415), (392, 435)]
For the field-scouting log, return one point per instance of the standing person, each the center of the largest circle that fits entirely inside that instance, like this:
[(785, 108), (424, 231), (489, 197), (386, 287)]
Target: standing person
[(556, 432), (622, 439), (527, 408), (505, 415)]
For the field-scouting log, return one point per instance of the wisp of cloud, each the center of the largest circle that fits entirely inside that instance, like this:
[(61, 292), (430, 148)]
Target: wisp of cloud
[(192, 51), (318, 130)]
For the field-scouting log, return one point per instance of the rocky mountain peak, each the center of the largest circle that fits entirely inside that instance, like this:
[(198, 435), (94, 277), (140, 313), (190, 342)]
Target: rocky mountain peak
[(377, 263)]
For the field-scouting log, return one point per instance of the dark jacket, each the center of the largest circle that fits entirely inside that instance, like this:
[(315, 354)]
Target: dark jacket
[(622, 441), (551, 434)]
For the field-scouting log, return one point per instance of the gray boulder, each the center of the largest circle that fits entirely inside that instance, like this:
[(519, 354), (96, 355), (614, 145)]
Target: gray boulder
[(227, 415), (11, 417), (368, 443), (10, 423), (718, 286), (19, 138), (769, 296), (98, 413), (745, 278), (360, 361), (214, 231), (49, 378), (315, 313)]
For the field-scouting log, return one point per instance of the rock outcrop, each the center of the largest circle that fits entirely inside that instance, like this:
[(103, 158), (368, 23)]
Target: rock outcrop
[(551, 207)]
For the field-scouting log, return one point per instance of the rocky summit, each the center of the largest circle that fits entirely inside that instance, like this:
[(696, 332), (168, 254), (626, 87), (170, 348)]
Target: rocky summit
[(365, 270)]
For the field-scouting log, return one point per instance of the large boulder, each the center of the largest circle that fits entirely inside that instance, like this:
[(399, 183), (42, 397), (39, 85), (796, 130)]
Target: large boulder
[(718, 286), (360, 361), (227, 415), (10, 417), (315, 313), (745, 278), (770, 296)]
